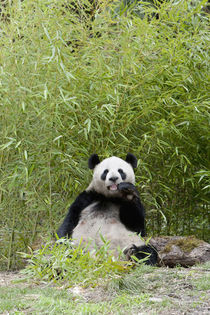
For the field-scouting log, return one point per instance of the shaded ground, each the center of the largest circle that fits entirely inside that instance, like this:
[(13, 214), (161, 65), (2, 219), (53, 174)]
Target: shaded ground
[(159, 291)]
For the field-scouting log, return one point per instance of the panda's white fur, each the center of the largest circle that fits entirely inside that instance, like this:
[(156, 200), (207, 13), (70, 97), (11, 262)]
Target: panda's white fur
[(93, 223)]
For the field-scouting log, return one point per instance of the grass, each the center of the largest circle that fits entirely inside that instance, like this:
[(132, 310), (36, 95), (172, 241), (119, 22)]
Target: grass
[(145, 290), (59, 278), (72, 84), (53, 301), (60, 261)]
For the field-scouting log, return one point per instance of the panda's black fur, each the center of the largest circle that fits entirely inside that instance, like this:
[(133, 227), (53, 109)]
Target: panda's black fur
[(110, 207)]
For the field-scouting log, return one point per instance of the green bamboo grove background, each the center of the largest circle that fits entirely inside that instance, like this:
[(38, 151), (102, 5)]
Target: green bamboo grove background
[(77, 80)]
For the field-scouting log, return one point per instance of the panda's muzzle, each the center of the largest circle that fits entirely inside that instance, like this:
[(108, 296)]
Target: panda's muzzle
[(113, 187), (113, 179)]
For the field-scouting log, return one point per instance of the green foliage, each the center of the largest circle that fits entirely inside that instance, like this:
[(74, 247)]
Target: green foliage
[(61, 261), (73, 83)]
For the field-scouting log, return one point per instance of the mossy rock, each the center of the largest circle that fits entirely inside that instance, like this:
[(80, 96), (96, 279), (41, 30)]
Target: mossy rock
[(179, 250), (186, 244)]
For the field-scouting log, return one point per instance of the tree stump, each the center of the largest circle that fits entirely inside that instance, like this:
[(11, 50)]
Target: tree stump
[(178, 250)]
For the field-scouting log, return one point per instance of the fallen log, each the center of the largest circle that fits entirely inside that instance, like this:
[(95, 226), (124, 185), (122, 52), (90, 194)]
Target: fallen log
[(179, 250)]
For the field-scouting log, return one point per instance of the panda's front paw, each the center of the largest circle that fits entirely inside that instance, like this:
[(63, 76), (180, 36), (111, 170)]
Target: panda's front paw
[(145, 253), (126, 186), (128, 190), (130, 251)]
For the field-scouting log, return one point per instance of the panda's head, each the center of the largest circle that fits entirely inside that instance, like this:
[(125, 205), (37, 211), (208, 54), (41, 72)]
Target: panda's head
[(109, 173)]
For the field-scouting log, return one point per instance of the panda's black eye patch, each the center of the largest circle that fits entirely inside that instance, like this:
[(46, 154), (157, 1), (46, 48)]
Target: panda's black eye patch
[(123, 175), (103, 176)]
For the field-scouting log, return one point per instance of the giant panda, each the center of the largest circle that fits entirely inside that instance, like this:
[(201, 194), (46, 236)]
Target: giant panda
[(110, 209)]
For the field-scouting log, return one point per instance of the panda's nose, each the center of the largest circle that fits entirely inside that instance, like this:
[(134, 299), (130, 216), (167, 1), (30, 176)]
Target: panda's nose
[(113, 179)]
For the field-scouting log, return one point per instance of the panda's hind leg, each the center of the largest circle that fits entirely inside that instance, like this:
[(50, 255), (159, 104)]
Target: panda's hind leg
[(142, 252)]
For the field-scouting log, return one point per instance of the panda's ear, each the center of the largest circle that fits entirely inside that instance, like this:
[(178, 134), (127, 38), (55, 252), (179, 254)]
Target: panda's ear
[(93, 161), (131, 159)]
